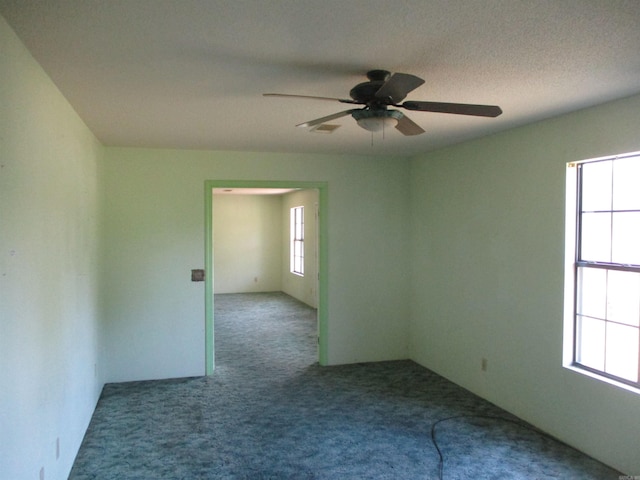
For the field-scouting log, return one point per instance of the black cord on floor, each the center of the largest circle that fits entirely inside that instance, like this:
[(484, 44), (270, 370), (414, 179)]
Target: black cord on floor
[(485, 417)]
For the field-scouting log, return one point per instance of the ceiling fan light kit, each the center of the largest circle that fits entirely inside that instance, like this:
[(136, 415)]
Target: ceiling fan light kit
[(377, 120), (385, 90)]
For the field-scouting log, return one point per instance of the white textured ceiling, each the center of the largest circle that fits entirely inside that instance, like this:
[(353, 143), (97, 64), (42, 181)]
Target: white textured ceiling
[(191, 73), (252, 191)]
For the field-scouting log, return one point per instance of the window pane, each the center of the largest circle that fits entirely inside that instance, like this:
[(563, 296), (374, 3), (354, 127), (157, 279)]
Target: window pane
[(592, 288), (596, 237), (623, 297), (626, 194), (590, 352), (626, 238), (596, 186), (297, 240), (607, 321), (622, 351)]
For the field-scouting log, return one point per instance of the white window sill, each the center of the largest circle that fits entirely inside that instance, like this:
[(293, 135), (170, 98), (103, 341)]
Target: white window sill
[(600, 378)]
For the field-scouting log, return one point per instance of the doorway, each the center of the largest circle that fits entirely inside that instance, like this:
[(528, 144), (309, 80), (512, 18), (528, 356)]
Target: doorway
[(322, 260)]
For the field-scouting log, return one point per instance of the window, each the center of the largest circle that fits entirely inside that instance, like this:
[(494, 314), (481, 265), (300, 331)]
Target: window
[(297, 240), (606, 270)]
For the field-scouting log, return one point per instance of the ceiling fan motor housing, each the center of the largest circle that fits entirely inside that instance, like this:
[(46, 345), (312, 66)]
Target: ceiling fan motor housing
[(365, 93)]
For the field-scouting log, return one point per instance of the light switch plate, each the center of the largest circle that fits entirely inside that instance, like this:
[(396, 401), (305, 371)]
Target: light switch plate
[(197, 275)]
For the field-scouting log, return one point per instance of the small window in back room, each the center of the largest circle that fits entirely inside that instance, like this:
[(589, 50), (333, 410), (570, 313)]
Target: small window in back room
[(297, 240), (606, 267)]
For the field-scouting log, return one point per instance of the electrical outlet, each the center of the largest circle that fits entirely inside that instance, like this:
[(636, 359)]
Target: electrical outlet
[(484, 364), (42, 473)]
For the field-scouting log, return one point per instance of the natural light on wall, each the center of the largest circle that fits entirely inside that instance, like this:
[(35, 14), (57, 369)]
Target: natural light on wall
[(602, 295)]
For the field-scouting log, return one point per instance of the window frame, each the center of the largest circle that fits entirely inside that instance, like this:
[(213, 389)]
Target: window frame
[(575, 261), (296, 245)]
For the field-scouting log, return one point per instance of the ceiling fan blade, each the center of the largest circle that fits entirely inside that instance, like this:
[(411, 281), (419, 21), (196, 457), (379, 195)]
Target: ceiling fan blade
[(406, 126), (455, 108), (398, 86), (318, 121), (311, 97)]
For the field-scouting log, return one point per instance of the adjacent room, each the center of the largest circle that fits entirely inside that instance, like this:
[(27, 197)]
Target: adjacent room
[(265, 240), (459, 296)]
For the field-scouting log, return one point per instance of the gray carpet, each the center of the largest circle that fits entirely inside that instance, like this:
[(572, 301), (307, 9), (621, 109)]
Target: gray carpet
[(270, 412)]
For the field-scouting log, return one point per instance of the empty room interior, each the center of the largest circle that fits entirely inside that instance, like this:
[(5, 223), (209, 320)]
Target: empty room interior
[(444, 243)]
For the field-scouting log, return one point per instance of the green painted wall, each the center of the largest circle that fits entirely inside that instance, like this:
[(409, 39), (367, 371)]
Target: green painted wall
[(247, 243), (487, 230), (49, 330), (154, 236)]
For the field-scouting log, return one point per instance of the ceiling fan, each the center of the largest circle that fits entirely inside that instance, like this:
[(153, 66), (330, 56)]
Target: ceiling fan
[(384, 90)]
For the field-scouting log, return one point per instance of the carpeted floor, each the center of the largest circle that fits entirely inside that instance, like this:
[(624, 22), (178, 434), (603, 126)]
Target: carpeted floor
[(270, 412)]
